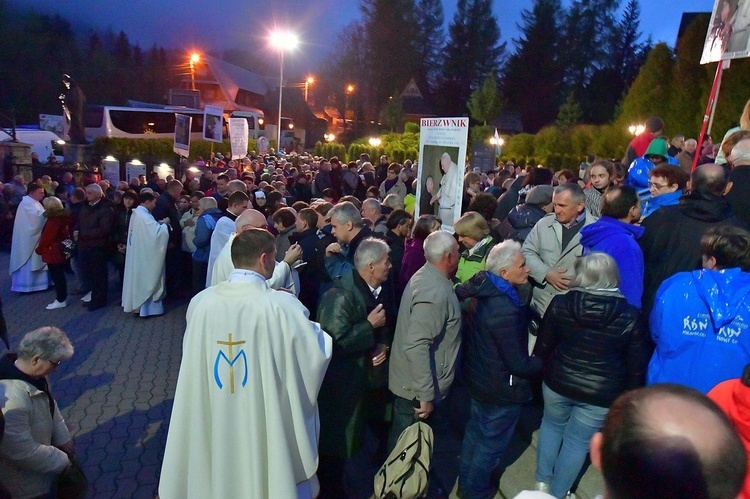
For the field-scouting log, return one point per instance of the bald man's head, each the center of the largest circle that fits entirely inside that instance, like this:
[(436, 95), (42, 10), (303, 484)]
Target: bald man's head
[(709, 178), (250, 219), (668, 441)]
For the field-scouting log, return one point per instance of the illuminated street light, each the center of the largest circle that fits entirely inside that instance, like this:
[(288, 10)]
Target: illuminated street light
[(374, 141), (636, 129), (309, 81), (349, 89), (195, 58), (497, 141), (329, 137), (282, 41)]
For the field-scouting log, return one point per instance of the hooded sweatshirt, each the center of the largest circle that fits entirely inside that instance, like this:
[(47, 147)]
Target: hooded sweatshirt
[(733, 397), (619, 240), (701, 326)]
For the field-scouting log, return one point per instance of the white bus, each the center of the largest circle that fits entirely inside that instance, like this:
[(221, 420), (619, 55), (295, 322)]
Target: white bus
[(137, 122)]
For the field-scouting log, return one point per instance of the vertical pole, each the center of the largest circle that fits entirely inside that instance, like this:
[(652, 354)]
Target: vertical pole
[(307, 86), (710, 106), (281, 88)]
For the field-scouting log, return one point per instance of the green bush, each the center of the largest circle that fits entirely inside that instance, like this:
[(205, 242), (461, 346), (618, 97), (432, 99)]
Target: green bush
[(411, 128), (152, 151), (518, 146)]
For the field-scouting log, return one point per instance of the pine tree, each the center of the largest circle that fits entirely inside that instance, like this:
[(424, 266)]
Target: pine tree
[(534, 75), (393, 114), (485, 102), (570, 113), (473, 51), (429, 42), (649, 93), (386, 24)]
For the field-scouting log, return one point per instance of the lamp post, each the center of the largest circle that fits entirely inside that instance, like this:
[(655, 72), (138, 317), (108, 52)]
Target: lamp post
[(636, 129), (349, 90), (309, 81), (195, 58), (282, 40)]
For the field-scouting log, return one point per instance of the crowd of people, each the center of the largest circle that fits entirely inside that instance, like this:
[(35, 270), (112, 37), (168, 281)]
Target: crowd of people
[(324, 311)]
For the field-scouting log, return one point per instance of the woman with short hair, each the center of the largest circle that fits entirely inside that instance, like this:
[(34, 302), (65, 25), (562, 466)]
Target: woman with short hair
[(56, 229), (666, 185), (474, 234), (36, 445), (593, 348)]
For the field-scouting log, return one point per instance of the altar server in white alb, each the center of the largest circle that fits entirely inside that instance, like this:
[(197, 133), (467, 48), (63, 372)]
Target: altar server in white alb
[(245, 415), (143, 285), (27, 270)]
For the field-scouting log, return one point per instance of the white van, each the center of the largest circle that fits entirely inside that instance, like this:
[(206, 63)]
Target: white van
[(42, 142)]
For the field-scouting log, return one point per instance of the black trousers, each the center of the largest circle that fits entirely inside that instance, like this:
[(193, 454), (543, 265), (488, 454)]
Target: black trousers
[(95, 273), (57, 273)]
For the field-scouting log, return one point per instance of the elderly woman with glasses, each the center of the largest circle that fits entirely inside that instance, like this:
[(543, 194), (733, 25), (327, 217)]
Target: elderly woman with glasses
[(593, 348), (666, 185), (473, 234), (36, 445)]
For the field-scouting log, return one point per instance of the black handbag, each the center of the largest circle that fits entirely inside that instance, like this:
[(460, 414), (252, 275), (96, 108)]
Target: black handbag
[(71, 483)]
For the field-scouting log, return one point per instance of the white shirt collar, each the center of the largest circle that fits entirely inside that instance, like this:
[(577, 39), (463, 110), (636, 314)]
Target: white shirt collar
[(375, 291), (240, 275)]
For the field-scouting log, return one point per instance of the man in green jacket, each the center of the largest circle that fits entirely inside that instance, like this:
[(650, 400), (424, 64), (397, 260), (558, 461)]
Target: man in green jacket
[(359, 313)]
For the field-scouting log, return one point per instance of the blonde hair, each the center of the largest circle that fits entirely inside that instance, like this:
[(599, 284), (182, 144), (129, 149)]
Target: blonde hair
[(52, 203), (472, 225)]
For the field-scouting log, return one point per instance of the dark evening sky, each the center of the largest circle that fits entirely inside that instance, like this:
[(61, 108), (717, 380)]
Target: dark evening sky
[(226, 24)]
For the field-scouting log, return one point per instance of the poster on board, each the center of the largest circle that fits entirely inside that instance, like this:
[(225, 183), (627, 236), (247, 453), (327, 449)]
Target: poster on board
[(728, 35), (182, 127), (442, 161), (212, 123), (238, 137)]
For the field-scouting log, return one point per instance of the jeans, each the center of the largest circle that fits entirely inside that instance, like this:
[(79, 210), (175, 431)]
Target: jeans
[(567, 428), (487, 435)]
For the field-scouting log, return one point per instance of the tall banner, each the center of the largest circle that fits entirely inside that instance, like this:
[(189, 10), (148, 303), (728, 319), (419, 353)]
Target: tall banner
[(728, 34), (442, 164), (238, 137), (182, 127), (212, 123)]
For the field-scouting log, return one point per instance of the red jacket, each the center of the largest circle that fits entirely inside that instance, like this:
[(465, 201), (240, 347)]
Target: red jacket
[(55, 230), (734, 399)]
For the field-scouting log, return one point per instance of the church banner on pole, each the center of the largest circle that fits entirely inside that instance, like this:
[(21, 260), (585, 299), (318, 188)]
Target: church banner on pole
[(182, 127), (238, 137), (442, 164)]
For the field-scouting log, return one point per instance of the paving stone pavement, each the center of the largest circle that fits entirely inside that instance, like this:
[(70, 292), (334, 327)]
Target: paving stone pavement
[(116, 392)]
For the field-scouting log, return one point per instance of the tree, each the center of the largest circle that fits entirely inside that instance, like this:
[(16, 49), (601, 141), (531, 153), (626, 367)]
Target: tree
[(649, 94), (473, 51), (625, 53), (534, 74), (570, 113), (429, 41), (485, 102), (393, 114), (385, 24), (344, 66)]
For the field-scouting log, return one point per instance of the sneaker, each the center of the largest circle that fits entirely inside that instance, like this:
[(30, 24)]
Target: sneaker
[(86, 298), (56, 304), (541, 487)]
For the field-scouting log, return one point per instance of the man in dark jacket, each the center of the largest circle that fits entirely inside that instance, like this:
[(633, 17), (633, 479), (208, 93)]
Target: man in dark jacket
[(399, 227), (166, 207), (349, 230), (671, 241), (93, 230), (496, 364), (739, 181), (313, 272), (358, 312)]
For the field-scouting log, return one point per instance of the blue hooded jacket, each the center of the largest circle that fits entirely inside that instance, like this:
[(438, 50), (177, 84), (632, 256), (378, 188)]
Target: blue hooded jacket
[(701, 326), (619, 240), (654, 203)]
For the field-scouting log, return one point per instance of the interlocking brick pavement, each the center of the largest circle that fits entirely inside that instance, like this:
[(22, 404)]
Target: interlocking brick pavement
[(116, 392)]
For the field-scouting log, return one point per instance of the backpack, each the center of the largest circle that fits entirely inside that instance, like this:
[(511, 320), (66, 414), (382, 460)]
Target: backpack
[(405, 473)]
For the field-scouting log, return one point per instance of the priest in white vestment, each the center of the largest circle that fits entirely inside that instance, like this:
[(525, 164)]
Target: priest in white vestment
[(143, 284), (27, 270), (245, 416), (284, 276), (238, 202)]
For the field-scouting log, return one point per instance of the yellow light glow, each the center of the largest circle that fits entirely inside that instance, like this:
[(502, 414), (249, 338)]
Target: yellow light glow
[(310, 79), (283, 40), (349, 89), (195, 58)]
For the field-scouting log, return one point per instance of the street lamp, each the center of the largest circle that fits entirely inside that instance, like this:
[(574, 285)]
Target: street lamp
[(281, 41), (349, 90), (329, 137), (309, 81), (374, 142), (636, 129), (195, 58)]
